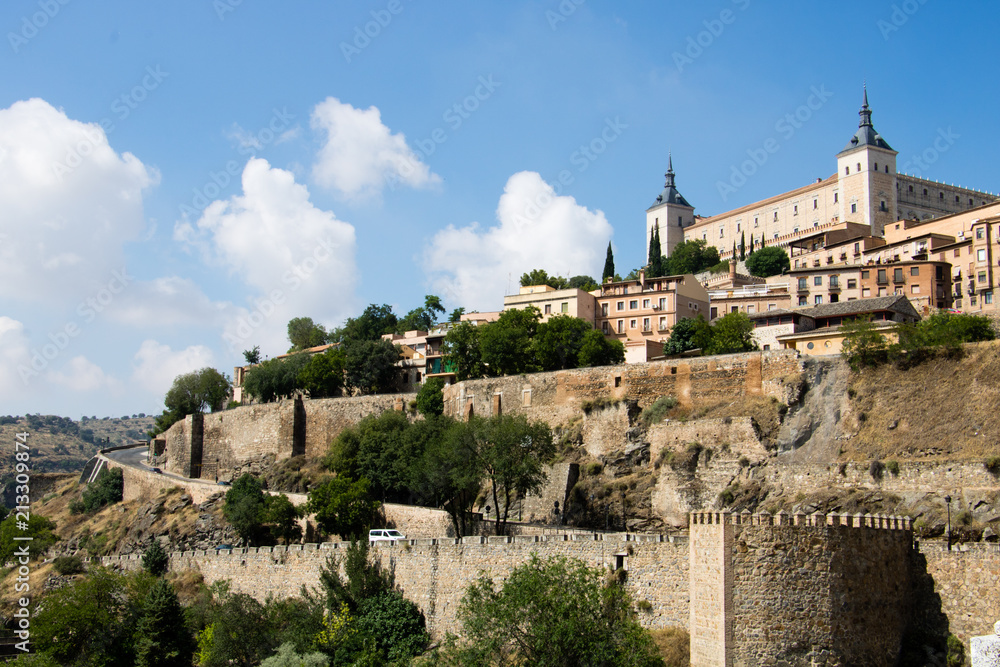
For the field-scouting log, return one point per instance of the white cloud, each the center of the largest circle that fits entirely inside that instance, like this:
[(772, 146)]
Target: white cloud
[(537, 230), (80, 374), (156, 365), (298, 258), (169, 301), (361, 155), (69, 202), (14, 355)]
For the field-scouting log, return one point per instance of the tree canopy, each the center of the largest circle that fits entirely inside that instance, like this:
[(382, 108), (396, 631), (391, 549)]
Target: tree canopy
[(688, 334), (199, 391), (731, 333), (767, 262), (343, 507), (609, 265), (691, 256), (303, 333)]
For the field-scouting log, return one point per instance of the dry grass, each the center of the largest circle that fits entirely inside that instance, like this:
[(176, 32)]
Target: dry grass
[(943, 409), (674, 646), (767, 412)]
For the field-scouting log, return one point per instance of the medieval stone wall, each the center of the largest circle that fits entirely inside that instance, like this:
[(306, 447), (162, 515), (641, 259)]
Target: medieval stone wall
[(967, 581)]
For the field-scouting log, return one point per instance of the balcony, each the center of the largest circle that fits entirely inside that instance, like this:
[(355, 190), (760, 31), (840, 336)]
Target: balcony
[(834, 286), (899, 279), (803, 288)]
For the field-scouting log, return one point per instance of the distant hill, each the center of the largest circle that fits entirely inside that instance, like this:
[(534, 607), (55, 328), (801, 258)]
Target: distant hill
[(60, 444)]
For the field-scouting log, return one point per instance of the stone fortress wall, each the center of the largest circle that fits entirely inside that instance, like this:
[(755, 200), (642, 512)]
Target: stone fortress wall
[(751, 589)]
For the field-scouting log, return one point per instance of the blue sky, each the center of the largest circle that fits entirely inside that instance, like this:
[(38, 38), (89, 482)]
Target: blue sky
[(180, 179)]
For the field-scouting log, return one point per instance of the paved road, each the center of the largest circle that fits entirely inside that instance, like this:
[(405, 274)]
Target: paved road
[(135, 457)]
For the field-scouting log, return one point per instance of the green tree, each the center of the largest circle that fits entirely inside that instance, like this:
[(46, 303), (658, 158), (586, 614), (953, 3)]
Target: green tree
[(864, 344), (323, 374), (692, 256), (364, 577), (281, 516), (107, 489), (244, 508), (505, 345), (396, 625), (585, 283), (655, 254), (92, 620), (303, 333), (162, 639), (370, 325), (240, 633), (370, 366), (599, 350), (447, 474), (541, 277), (155, 559), (287, 657), (551, 613), (200, 391), (456, 315), (768, 262), (508, 453), (557, 342), (732, 333), (343, 507), (688, 334), (430, 398), (275, 378), (743, 246), (609, 265), (39, 529), (252, 356), (422, 318), (463, 350)]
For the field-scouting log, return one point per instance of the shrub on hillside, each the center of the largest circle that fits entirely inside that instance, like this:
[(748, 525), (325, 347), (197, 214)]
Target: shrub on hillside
[(658, 411), (107, 489), (992, 465), (67, 565)]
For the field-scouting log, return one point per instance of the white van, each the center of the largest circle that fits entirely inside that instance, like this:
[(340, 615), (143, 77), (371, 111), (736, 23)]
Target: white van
[(384, 535)]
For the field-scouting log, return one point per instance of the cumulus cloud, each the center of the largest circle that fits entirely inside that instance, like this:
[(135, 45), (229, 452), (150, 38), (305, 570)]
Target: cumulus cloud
[(361, 155), (169, 301), (155, 365), (69, 202), (537, 229), (80, 374), (299, 259), (15, 357)]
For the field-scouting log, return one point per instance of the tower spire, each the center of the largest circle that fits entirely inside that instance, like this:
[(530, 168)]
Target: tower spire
[(865, 113), (670, 171)]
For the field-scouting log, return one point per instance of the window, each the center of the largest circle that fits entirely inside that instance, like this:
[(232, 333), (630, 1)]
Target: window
[(859, 166), (987, 298), (925, 192), (970, 201), (956, 253), (866, 292), (865, 275), (911, 188), (897, 275), (857, 248), (755, 222), (604, 309), (914, 270), (548, 309), (852, 283), (941, 195), (802, 283), (713, 313), (645, 324), (979, 232), (956, 199), (876, 166), (564, 307), (734, 309), (881, 206), (751, 309), (605, 329), (854, 208), (883, 276), (775, 216), (772, 306), (632, 324), (738, 225), (981, 255), (645, 303), (620, 305), (981, 277), (847, 171), (663, 303), (817, 280), (795, 210), (834, 281), (722, 232), (914, 289), (621, 326), (803, 301), (834, 298), (836, 197), (818, 299), (633, 304), (815, 204), (663, 324)]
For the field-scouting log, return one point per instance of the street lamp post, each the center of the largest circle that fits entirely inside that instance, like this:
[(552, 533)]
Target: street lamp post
[(947, 499)]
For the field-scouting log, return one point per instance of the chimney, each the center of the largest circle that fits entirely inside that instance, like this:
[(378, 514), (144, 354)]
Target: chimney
[(642, 277), (732, 269)]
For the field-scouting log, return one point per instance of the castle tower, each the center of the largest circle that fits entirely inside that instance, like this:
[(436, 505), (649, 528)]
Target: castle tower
[(671, 212), (866, 170)]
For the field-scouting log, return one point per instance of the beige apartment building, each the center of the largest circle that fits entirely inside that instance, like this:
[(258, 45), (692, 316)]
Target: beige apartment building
[(550, 302), (640, 313), (865, 190)]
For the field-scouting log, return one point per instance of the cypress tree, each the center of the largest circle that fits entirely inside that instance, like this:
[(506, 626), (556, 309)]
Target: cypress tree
[(655, 254), (750, 252), (734, 250), (162, 637), (609, 265), (743, 245)]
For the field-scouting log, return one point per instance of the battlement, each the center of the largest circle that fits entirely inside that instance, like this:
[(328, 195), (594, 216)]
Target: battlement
[(817, 519)]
